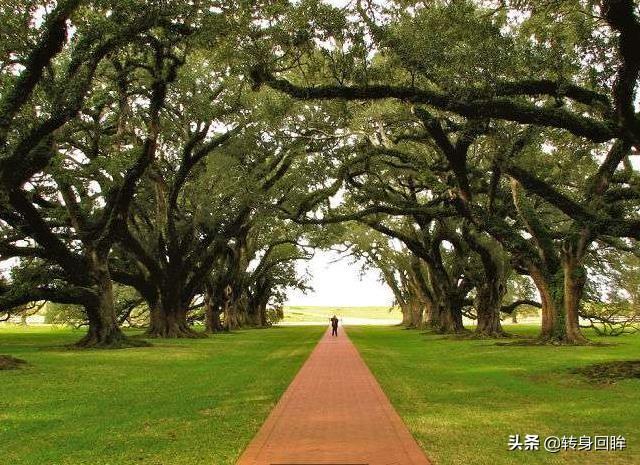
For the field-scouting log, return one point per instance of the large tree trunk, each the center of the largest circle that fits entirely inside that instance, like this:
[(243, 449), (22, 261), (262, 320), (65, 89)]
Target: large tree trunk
[(552, 313), (262, 312), (415, 311), (227, 309), (236, 315), (406, 313), (574, 281), (559, 281), (169, 315), (257, 304), (419, 296), (429, 313), (212, 311), (488, 302), (560, 295), (170, 322), (213, 319), (104, 331), (448, 317), (451, 320), (490, 285), (256, 316), (391, 278)]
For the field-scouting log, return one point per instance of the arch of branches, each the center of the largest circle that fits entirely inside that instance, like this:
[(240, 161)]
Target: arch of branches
[(167, 165)]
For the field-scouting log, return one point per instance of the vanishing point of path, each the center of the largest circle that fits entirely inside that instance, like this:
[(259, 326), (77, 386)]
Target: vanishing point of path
[(333, 413)]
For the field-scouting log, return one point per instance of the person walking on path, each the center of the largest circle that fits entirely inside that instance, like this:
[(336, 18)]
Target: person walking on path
[(334, 326)]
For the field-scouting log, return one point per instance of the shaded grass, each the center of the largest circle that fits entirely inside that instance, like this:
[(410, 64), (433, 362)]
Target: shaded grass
[(610, 372), (179, 402), (7, 362), (461, 399)]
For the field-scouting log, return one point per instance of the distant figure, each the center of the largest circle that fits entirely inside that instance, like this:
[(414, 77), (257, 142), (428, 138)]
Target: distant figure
[(334, 326)]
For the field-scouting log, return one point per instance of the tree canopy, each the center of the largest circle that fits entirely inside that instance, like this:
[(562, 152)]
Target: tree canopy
[(478, 154)]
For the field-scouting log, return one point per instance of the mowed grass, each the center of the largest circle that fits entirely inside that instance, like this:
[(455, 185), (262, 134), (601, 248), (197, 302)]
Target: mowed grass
[(178, 402), (461, 399), (300, 314)]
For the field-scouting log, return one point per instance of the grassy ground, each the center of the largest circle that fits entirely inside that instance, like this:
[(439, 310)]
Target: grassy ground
[(179, 402), (201, 401), (463, 398), (302, 314)]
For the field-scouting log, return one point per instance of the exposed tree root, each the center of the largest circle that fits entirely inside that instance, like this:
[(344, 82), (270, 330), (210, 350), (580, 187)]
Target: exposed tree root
[(474, 335), (500, 334), (175, 332), (112, 340)]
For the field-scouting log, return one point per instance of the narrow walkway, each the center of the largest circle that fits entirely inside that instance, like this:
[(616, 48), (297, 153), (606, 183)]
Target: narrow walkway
[(333, 413)]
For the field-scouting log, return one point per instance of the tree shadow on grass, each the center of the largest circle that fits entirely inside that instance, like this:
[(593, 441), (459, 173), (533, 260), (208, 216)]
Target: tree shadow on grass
[(8, 362), (609, 372), (136, 341), (538, 342), (469, 335)]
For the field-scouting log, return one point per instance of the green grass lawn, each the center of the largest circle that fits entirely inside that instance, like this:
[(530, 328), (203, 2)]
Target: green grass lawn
[(461, 399), (299, 314), (201, 401), (178, 402)]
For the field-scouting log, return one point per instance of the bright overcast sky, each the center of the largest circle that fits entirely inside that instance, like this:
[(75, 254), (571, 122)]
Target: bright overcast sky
[(339, 284)]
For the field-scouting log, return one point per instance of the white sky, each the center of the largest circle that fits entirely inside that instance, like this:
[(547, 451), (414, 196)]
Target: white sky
[(338, 3), (339, 284)]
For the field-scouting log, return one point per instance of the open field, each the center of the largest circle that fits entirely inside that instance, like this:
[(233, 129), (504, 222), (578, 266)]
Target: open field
[(461, 399), (367, 316), (178, 402), (350, 315)]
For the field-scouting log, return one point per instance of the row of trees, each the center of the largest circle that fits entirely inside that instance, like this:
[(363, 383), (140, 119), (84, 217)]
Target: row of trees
[(135, 156), (193, 152), (496, 139)]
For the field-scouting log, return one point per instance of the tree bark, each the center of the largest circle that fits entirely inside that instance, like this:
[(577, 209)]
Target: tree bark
[(415, 314), (447, 316), (488, 303), (552, 313), (103, 324), (257, 302), (450, 319), (429, 313), (561, 295), (212, 311), (574, 282), (168, 317), (490, 284), (406, 314)]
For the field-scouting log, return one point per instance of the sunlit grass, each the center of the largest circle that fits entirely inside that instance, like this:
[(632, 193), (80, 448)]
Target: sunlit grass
[(178, 402), (322, 314), (463, 398), (201, 401)]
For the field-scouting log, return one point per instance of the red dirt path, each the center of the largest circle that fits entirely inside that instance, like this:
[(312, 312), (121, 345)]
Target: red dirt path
[(333, 413)]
